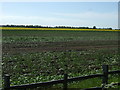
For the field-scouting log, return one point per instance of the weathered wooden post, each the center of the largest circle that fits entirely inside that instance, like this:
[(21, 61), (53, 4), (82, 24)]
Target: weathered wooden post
[(105, 75), (6, 82), (65, 82)]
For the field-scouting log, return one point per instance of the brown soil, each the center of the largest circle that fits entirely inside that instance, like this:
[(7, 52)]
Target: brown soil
[(57, 46)]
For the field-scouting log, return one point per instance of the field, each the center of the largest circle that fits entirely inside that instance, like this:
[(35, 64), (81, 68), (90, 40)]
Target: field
[(31, 56)]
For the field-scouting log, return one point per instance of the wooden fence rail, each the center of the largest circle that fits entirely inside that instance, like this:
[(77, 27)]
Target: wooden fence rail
[(63, 81)]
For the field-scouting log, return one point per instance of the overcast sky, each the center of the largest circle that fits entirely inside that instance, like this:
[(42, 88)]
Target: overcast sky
[(89, 14)]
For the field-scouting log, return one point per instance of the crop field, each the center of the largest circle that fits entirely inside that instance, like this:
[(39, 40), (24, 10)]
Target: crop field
[(31, 56)]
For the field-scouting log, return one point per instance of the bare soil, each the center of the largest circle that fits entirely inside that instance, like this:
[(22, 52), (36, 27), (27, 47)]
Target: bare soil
[(57, 46)]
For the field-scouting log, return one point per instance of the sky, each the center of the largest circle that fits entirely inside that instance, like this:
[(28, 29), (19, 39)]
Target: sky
[(83, 14)]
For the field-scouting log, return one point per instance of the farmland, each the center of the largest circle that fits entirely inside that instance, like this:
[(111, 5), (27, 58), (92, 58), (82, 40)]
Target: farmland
[(31, 56)]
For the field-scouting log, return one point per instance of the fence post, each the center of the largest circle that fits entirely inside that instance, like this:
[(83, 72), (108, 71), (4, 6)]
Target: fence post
[(6, 82), (65, 82), (105, 75)]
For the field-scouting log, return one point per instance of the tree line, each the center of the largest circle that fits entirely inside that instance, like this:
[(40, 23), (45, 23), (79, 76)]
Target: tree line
[(39, 26)]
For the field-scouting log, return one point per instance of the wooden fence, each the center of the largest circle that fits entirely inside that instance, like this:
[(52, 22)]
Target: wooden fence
[(64, 81)]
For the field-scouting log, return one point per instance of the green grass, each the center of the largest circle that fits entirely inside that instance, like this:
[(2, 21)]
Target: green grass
[(89, 83), (57, 36)]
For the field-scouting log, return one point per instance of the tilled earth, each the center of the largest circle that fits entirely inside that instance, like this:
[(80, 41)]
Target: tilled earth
[(57, 46)]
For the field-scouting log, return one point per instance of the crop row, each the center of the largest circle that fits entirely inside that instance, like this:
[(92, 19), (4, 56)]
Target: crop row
[(45, 65), (56, 36), (58, 29), (39, 66)]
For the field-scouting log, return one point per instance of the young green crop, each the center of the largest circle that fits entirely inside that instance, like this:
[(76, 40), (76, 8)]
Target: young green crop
[(81, 53), (56, 63)]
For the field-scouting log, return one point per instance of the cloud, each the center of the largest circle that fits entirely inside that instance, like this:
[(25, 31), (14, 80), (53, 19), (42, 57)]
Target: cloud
[(89, 15), (93, 18), (25, 19), (70, 19)]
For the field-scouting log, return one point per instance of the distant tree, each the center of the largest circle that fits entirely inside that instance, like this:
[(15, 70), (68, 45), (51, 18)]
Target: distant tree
[(110, 28), (94, 27)]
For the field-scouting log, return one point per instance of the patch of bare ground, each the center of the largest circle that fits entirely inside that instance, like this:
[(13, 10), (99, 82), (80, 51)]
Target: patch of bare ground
[(57, 46)]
